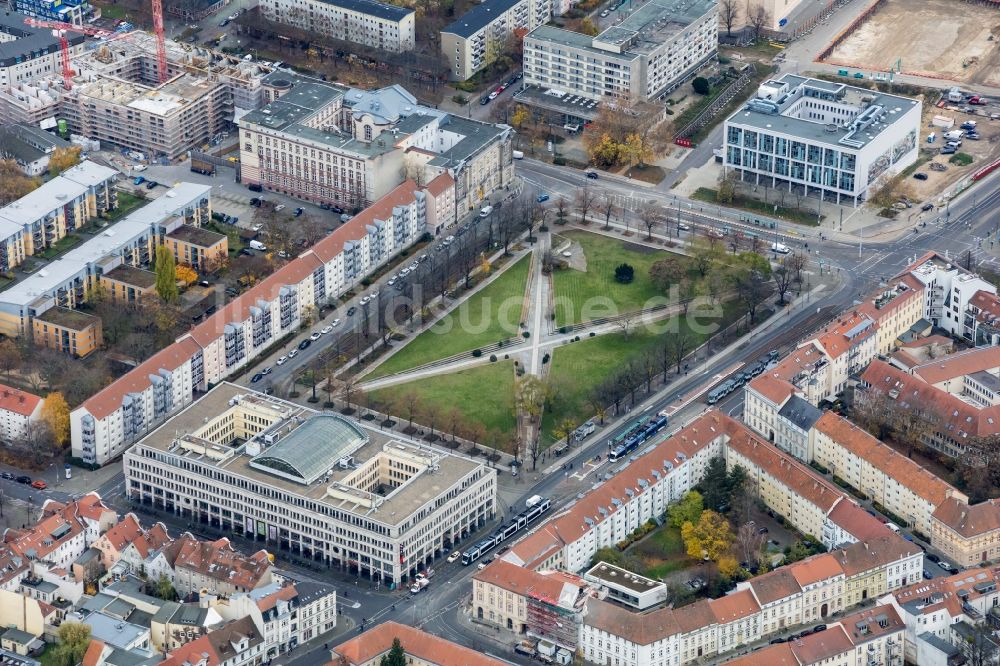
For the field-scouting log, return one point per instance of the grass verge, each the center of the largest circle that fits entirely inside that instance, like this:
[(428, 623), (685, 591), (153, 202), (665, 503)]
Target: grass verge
[(709, 195), (490, 315), (127, 202), (484, 394)]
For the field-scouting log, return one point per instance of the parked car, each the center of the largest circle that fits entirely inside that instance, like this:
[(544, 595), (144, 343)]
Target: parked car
[(454, 556), (593, 175), (351, 310), (298, 211), (305, 343), (293, 353), (933, 558), (266, 371), (26, 480), (315, 336), (139, 180), (927, 206), (542, 198), (282, 360), (256, 378), (325, 330), (39, 484), (920, 176)]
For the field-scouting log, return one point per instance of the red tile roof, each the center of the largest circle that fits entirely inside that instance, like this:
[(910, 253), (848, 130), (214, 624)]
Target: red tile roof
[(916, 478), (219, 560), (856, 521), (440, 184), (528, 583), (94, 656), (772, 655), (154, 538), (779, 465), (124, 533), (833, 339), (969, 521), (988, 304), (598, 504), (819, 647), (421, 645), (638, 628), (18, 401), (815, 569), (959, 364), (734, 606), (109, 399)]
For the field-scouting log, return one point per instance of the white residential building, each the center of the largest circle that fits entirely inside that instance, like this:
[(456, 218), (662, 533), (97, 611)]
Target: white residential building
[(367, 22), (114, 418), (818, 137), (648, 54), (488, 31), (18, 409)]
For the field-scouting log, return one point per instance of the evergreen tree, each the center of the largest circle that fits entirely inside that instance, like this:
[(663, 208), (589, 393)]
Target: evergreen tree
[(395, 656)]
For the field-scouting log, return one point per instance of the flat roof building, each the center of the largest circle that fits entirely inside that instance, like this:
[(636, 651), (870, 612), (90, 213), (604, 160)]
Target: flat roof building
[(367, 22), (648, 53), (820, 138), (316, 484), (68, 331), (362, 143), (488, 31)]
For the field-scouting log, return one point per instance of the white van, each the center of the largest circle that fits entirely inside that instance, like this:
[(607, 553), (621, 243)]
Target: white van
[(517, 154), (779, 248), (486, 211), (892, 526), (257, 245)]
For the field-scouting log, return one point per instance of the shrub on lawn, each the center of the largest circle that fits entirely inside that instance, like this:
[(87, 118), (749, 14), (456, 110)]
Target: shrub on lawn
[(592, 334), (624, 273), (526, 335), (559, 161), (493, 358), (701, 85), (476, 353)]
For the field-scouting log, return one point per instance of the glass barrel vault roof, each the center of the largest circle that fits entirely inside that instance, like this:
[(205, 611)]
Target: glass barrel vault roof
[(312, 449)]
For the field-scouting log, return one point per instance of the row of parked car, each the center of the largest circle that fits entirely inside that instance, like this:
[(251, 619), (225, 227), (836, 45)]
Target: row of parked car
[(38, 484)]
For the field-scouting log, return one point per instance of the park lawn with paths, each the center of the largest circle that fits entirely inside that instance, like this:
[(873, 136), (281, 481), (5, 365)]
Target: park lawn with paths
[(579, 367), (573, 288), (448, 337), (484, 394)]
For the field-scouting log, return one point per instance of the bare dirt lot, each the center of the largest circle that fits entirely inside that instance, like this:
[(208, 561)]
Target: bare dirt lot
[(945, 39)]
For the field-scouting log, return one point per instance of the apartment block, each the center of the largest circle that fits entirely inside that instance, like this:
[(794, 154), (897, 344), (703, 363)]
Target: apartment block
[(67, 331), (66, 281), (349, 148), (870, 637), (967, 535), (539, 604), (896, 482), (957, 300), (367, 22), (228, 340), (932, 609), (822, 138), (805, 593), (640, 492), (306, 483), (201, 249), (45, 215), (649, 53), (18, 409), (27, 53), (421, 648), (63, 532), (488, 31), (127, 284)]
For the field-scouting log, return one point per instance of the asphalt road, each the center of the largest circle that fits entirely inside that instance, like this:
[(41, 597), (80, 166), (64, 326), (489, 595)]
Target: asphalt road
[(971, 218)]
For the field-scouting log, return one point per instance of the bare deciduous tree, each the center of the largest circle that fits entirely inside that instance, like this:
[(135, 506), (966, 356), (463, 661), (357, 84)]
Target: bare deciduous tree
[(729, 12), (585, 200), (758, 17)]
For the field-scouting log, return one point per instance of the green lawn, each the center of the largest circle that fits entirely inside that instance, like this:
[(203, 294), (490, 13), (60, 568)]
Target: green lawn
[(126, 204), (579, 367), (585, 295), (60, 246), (484, 394), (662, 552), (803, 217), (492, 314)]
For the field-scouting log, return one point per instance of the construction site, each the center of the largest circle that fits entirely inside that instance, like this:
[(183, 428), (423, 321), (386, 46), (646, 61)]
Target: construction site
[(939, 39), (117, 93)]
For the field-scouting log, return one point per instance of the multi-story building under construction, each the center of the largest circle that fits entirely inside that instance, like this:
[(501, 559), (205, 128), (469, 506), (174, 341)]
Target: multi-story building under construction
[(117, 99)]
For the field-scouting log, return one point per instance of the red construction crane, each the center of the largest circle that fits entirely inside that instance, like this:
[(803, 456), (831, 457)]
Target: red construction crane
[(161, 49), (59, 30)]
